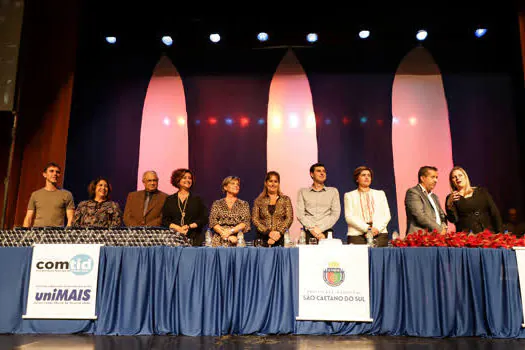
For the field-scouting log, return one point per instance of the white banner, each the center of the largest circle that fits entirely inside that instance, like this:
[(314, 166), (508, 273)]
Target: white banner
[(334, 283), (63, 282), (520, 259)]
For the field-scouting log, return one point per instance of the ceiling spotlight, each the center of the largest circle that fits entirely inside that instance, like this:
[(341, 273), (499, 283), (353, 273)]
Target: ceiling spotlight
[(215, 38), (311, 37), (111, 39), (262, 36), (421, 35), (480, 32), (167, 40), (364, 34)]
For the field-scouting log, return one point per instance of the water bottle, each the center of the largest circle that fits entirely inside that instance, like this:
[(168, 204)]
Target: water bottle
[(302, 237), (287, 242), (240, 239), (395, 235), (207, 241), (369, 237)]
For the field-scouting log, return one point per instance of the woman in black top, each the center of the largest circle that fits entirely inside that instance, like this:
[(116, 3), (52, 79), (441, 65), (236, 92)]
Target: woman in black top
[(471, 208), (184, 212)]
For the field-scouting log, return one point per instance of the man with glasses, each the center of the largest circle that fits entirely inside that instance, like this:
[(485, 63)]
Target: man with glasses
[(144, 208)]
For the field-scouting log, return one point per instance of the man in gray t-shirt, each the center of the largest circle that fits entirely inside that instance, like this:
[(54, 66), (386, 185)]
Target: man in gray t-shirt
[(49, 205)]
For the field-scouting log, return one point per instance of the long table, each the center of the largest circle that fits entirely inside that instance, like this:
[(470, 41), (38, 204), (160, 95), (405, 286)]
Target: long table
[(427, 292)]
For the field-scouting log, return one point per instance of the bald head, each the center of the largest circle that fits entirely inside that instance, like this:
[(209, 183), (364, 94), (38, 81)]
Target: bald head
[(150, 181)]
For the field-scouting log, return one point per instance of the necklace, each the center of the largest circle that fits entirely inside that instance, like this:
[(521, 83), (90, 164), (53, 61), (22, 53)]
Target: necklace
[(182, 209)]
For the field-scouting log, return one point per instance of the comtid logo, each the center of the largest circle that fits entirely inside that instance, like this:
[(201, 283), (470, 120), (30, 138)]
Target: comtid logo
[(81, 264)]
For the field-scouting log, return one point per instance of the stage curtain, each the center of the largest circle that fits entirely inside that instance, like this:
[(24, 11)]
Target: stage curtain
[(45, 78), (521, 17)]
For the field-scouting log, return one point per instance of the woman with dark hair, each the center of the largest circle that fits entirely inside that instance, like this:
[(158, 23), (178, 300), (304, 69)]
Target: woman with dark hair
[(229, 215), (272, 212), (183, 211), (99, 210), (366, 209), (470, 208)]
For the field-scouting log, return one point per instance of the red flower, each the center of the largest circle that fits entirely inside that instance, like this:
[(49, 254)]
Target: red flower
[(485, 239)]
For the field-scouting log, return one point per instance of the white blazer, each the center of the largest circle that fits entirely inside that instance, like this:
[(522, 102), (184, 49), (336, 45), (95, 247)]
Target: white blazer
[(353, 215)]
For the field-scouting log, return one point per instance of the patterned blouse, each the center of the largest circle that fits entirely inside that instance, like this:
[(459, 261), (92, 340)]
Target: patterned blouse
[(280, 220), (94, 214), (221, 215), (367, 206), (266, 221)]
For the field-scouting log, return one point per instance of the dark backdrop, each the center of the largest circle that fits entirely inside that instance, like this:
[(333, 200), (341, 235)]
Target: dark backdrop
[(350, 82)]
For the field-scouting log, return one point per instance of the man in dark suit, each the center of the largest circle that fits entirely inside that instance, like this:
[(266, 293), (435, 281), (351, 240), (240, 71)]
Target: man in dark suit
[(144, 208), (422, 205)]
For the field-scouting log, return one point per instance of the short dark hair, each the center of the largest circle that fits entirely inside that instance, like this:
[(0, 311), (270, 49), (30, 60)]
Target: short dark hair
[(316, 165), (360, 169), (93, 186), (52, 164), (178, 174), (423, 171)]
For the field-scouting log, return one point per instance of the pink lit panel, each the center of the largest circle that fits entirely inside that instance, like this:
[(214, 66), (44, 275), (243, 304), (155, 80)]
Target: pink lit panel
[(292, 142), (420, 127), (164, 130)]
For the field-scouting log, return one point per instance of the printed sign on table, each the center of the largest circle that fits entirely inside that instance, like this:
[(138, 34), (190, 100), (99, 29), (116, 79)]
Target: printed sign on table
[(63, 282), (334, 283), (520, 259)]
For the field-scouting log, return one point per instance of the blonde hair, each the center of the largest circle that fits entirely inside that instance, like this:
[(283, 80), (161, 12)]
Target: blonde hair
[(468, 188), (229, 179)]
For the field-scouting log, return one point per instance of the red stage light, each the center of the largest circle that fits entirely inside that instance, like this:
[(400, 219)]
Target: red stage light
[(212, 121), (244, 122), (380, 122), (346, 120)]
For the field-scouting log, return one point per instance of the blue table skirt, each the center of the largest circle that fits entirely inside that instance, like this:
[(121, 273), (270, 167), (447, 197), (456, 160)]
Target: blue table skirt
[(427, 292)]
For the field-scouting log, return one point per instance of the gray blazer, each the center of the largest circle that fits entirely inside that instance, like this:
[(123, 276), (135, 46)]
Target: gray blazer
[(420, 213)]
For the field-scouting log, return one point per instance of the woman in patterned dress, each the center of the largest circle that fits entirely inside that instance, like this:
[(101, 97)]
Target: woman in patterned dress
[(99, 210), (229, 215)]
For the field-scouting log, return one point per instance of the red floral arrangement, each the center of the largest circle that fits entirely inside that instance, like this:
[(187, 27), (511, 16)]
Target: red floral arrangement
[(485, 239)]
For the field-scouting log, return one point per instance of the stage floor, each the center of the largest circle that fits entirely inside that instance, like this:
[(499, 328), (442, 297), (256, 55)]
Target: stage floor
[(85, 342)]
